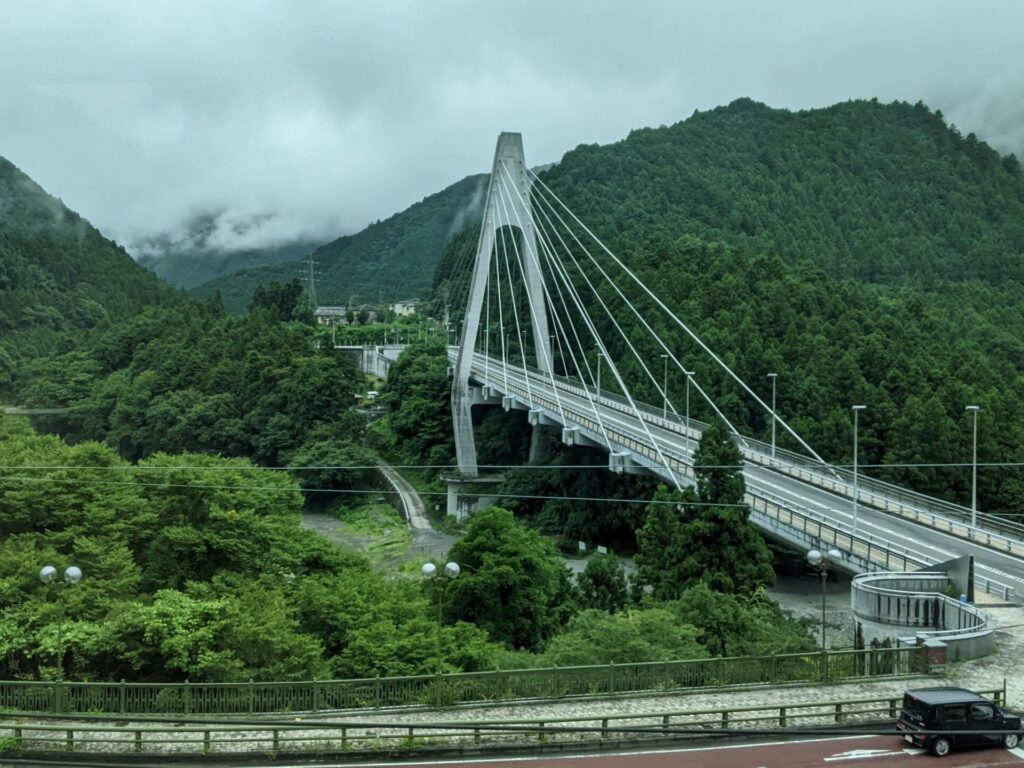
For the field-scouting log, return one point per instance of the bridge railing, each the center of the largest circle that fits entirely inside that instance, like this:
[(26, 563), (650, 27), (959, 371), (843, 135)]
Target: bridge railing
[(993, 532), (914, 599), (873, 552)]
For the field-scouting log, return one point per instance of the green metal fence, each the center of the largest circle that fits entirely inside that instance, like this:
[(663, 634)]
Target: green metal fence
[(446, 690), (202, 737)]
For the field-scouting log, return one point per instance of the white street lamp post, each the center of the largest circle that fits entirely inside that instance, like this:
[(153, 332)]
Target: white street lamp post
[(974, 467), (72, 575), (451, 570), (856, 410), (821, 561), (773, 377)]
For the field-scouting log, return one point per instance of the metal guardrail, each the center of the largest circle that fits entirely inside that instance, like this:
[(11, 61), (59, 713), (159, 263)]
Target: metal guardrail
[(875, 552), (329, 737), (915, 604), (995, 532), (858, 545), (461, 688)]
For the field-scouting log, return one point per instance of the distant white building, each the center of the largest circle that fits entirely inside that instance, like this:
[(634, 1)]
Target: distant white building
[(403, 308), (330, 316)]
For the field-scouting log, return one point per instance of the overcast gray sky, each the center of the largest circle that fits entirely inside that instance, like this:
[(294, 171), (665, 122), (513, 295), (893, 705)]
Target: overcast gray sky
[(140, 114)]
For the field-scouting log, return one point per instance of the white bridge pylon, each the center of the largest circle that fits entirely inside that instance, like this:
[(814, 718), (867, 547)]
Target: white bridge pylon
[(514, 214)]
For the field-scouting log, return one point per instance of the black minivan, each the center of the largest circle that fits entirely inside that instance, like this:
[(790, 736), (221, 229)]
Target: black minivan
[(957, 718)]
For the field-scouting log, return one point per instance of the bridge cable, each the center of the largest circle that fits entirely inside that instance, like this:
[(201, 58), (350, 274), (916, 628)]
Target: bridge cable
[(680, 323), (503, 195), (557, 317), (515, 310), (501, 321), (614, 369), (650, 330), (561, 277)]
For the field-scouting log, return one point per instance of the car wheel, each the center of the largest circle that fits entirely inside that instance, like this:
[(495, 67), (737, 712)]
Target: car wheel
[(940, 747), (1011, 740)]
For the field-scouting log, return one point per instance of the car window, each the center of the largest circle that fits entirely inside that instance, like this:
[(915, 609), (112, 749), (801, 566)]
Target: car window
[(955, 713), (982, 712)]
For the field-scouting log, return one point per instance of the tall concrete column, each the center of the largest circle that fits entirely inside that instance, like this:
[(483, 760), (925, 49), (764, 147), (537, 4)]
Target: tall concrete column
[(513, 210)]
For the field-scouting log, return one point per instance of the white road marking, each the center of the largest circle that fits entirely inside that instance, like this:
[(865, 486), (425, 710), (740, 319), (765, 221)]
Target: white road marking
[(637, 753), (860, 754)]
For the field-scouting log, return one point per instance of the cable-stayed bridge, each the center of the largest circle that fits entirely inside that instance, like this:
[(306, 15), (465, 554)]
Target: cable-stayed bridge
[(551, 310)]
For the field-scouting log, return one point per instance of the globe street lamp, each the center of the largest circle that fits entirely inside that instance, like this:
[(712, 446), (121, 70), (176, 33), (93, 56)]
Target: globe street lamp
[(72, 575), (856, 410), (773, 377), (450, 571), (820, 562), (974, 467)]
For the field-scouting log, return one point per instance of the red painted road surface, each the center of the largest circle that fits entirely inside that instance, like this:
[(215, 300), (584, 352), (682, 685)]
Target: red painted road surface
[(858, 752)]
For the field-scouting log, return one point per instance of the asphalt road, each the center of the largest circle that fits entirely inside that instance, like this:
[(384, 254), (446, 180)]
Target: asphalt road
[(851, 752)]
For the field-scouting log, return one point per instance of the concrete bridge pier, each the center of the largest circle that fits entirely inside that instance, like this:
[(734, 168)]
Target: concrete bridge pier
[(469, 494), (540, 436)]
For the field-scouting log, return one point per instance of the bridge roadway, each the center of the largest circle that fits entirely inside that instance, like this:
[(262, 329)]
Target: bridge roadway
[(787, 499)]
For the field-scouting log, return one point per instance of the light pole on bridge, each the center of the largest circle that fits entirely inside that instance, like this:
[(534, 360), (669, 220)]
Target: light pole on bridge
[(773, 377), (689, 375), (600, 355), (664, 388), (856, 410), (974, 409)]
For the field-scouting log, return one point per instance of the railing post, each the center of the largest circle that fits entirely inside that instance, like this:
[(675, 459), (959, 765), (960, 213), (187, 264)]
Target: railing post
[(252, 697), (122, 691), (138, 741), (782, 717), (376, 692), (186, 697)]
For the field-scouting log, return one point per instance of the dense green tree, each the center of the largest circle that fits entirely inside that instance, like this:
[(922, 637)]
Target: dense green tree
[(602, 584), (659, 544), (418, 396), (718, 466), (652, 634), (513, 584)]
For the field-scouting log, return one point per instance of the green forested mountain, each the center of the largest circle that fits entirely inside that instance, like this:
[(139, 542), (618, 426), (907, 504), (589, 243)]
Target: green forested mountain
[(389, 260), (880, 192), (866, 253), (58, 273)]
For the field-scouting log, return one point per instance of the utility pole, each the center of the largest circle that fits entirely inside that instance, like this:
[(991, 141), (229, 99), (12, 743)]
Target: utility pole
[(312, 285)]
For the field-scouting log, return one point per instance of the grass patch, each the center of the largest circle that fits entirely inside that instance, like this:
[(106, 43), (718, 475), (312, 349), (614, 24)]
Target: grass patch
[(381, 525)]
